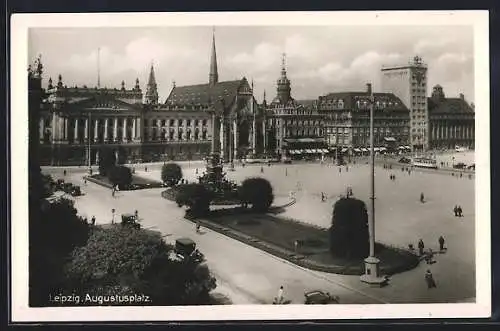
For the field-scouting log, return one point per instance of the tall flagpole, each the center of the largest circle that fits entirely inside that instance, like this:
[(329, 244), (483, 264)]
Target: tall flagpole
[(372, 269), (99, 67)]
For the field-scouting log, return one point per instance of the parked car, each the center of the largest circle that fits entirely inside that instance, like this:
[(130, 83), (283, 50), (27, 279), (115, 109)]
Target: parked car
[(129, 220), (472, 167), (459, 165), (404, 160), (76, 191), (317, 297)]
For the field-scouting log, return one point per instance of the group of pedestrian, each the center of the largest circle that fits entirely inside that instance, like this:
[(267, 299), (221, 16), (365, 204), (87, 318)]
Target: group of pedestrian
[(458, 211), (392, 177)]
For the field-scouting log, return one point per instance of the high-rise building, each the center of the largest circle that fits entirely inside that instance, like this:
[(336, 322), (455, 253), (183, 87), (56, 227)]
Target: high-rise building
[(409, 83)]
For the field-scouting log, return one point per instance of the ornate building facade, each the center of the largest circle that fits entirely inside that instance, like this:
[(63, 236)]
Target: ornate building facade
[(347, 120), (451, 121), (292, 127)]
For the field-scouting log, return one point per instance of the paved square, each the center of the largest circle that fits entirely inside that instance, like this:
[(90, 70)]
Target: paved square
[(400, 219)]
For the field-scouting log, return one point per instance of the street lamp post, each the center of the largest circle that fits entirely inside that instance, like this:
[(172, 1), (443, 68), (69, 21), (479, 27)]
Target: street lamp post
[(89, 150), (372, 268)]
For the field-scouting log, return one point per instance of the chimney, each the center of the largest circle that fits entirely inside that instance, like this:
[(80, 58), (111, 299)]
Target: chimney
[(369, 88), (462, 96)]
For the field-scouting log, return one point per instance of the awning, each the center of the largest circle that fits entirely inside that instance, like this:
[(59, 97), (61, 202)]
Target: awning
[(389, 139), (407, 147), (383, 148), (325, 151), (376, 149), (292, 151), (364, 149), (357, 150), (344, 150), (401, 147), (309, 151)]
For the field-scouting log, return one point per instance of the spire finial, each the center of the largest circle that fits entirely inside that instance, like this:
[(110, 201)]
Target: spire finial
[(283, 61), (213, 77), (98, 67)]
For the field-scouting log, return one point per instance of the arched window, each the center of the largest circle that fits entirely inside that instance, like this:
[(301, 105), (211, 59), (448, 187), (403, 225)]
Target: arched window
[(204, 134), (171, 134), (188, 134), (196, 133), (179, 134)]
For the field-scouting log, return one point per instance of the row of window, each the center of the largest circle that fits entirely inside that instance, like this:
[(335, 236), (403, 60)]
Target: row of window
[(180, 136), (180, 122), (367, 130)]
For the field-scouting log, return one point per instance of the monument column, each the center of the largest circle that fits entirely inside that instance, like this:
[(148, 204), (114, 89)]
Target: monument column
[(235, 140), (221, 137), (212, 128)]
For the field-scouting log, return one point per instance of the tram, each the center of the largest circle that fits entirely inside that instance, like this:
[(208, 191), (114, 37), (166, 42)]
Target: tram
[(422, 162)]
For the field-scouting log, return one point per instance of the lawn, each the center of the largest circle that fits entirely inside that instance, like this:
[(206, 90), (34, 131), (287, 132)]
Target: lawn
[(313, 242), (138, 182)]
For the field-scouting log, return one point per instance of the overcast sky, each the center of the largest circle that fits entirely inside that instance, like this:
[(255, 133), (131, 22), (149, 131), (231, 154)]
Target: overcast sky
[(319, 59)]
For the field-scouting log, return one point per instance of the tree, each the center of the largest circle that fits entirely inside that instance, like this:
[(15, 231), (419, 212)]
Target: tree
[(196, 196), (126, 260), (121, 176), (54, 234), (171, 174), (107, 160), (258, 192), (349, 231)]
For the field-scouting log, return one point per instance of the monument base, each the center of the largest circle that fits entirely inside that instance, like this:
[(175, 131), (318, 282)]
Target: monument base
[(372, 275)]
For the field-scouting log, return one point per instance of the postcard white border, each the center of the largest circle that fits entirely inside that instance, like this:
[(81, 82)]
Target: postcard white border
[(20, 23)]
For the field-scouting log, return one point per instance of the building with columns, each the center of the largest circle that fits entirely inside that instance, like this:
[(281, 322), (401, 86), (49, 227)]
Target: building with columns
[(409, 83), (451, 121), (347, 120)]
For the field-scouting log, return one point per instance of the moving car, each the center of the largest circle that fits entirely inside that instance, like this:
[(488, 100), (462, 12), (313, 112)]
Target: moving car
[(317, 297)]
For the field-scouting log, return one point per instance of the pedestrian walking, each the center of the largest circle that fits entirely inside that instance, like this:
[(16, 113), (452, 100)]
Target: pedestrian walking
[(64, 172), (461, 175), (146, 169), (441, 243), (340, 170), (261, 169), (286, 171), (455, 210), (136, 215), (198, 226), (85, 181), (421, 247), (429, 279), (196, 172), (459, 210), (113, 190), (429, 256), (422, 199), (323, 197), (279, 298), (93, 220), (346, 168)]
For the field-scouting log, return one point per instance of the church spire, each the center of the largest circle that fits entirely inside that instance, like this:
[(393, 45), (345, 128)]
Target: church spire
[(213, 77), (151, 89)]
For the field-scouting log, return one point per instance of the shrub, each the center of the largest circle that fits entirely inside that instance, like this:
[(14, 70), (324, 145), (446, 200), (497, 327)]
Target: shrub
[(121, 176), (171, 174), (196, 196), (349, 231), (107, 160), (258, 192), (127, 260)]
